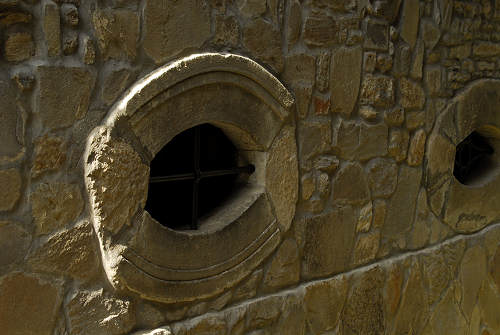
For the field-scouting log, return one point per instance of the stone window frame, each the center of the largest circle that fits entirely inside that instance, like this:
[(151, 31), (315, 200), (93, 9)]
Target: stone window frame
[(465, 208), (254, 110)]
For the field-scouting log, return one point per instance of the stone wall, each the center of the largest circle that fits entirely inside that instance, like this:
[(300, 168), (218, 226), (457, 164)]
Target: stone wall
[(384, 240)]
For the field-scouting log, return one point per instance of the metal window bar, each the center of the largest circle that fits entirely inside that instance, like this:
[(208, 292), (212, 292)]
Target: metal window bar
[(197, 175)]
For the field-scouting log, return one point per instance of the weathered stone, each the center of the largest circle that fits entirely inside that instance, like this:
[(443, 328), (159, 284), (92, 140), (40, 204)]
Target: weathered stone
[(10, 118), (398, 144), (369, 61), (377, 91), (14, 242), (346, 139), (418, 61), (382, 176), (415, 119), (28, 305), (328, 244), (55, 205), (335, 5), (303, 99), (486, 49), (393, 285), (284, 269), (326, 163), (494, 266), (350, 185), (10, 180), (71, 253), (19, 47), (394, 117), (401, 207), (365, 218), (248, 289), (376, 36), (93, 312), (50, 155), (88, 51), (384, 62), (379, 211), (472, 273), (321, 30), (308, 186), (293, 319), (283, 188), (13, 17), (52, 28), (417, 148), (364, 310), (269, 52), (430, 33), (402, 60), (314, 138), (300, 68), (345, 74), (114, 84), (460, 52), (323, 184), (489, 303), (149, 316), (413, 308), (323, 72), (227, 31), (119, 167), (64, 95), (412, 94), (70, 14), (70, 43), (251, 8), (294, 26), (366, 247), (321, 106), (117, 33), (368, 113), (262, 313), (324, 301), (410, 18), (372, 141), (447, 317), (441, 154)]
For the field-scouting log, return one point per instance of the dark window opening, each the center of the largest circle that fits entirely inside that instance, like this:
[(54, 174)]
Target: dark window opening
[(472, 158), (192, 175)]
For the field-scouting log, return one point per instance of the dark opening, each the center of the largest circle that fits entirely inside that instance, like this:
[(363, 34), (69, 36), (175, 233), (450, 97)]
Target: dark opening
[(192, 175), (472, 158)]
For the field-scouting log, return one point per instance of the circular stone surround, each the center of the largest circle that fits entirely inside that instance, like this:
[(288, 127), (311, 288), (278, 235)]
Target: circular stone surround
[(465, 208), (253, 109)]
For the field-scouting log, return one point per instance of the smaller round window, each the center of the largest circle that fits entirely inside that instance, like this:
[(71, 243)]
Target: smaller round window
[(474, 159), (196, 172)]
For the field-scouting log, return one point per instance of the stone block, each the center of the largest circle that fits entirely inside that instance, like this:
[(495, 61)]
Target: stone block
[(486, 49), (19, 47), (117, 33), (270, 52), (417, 148), (410, 21), (378, 91), (394, 117), (29, 305), (10, 122), (294, 25), (51, 25), (50, 155), (55, 205), (382, 177), (251, 8), (284, 269), (14, 243), (173, 26), (323, 72), (376, 35), (329, 240), (71, 253), (10, 179), (372, 141), (398, 144), (345, 77), (300, 68), (227, 31), (314, 138), (473, 271), (115, 83), (64, 95), (366, 248), (412, 94), (350, 185), (88, 51), (321, 30), (93, 312)]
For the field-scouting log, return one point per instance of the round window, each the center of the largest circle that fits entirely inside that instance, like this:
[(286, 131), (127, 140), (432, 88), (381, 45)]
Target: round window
[(193, 177)]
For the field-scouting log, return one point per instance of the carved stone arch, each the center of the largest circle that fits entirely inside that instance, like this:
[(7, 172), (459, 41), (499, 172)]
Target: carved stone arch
[(465, 208), (254, 110)]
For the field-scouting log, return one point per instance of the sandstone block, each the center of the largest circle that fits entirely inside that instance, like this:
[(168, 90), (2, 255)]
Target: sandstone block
[(382, 177), (70, 14), (117, 32), (28, 305), (52, 28), (345, 74), (321, 30), (472, 274), (294, 23), (64, 95), (430, 33), (14, 243), (55, 205), (394, 117), (377, 91), (173, 26), (88, 51), (19, 47), (398, 144), (376, 36), (486, 49), (303, 99), (227, 31), (252, 8), (350, 185), (93, 312), (10, 119), (365, 218), (417, 148), (366, 247), (114, 84), (284, 269), (410, 19), (300, 68), (372, 141), (70, 43), (10, 180), (447, 317), (13, 16), (329, 240), (323, 72), (50, 155), (314, 138), (70, 253), (412, 94), (270, 52), (418, 61)]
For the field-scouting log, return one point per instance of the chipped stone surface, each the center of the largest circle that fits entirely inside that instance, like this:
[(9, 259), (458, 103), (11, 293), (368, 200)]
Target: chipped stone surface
[(284, 269), (55, 205), (33, 311), (412, 94), (417, 148), (378, 91), (96, 313), (351, 186), (50, 155), (64, 95), (345, 72), (72, 252), (19, 47), (382, 176), (11, 182), (52, 29)]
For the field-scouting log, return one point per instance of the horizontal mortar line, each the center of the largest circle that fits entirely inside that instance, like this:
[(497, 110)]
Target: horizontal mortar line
[(386, 261)]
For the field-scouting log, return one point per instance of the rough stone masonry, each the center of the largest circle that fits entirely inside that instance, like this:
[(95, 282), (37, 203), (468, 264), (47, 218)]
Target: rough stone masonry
[(382, 238)]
